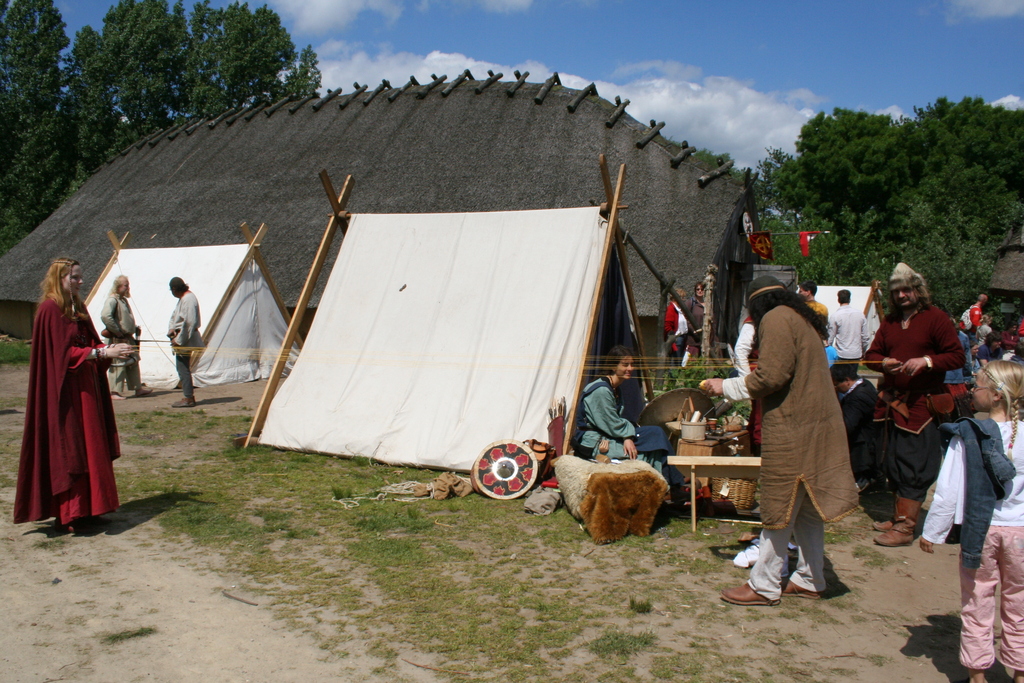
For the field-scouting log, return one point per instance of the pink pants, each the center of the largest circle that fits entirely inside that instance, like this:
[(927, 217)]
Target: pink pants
[(1002, 564)]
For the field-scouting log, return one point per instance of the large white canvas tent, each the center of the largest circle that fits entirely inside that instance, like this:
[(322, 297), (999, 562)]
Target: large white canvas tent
[(244, 322), (438, 334), (861, 298)]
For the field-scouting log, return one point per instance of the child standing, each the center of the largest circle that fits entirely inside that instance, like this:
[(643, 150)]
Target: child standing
[(981, 489)]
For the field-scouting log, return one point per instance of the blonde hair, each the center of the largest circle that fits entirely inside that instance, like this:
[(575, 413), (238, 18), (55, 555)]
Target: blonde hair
[(53, 288), (117, 283), (1007, 378)]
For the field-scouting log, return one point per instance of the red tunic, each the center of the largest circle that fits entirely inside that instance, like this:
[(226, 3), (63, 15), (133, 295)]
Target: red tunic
[(929, 333), (70, 439)]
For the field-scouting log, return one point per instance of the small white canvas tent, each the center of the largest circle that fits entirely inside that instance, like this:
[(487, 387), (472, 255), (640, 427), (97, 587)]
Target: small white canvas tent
[(438, 334), (243, 320), (860, 299)]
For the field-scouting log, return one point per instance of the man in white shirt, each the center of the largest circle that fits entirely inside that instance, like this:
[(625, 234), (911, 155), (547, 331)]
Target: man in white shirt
[(848, 330), (183, 331)]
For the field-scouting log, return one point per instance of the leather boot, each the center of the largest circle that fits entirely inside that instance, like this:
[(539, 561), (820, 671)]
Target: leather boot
[(887, 524), (902, 531)]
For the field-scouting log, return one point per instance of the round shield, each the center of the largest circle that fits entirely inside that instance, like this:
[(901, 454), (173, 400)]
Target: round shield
[(666, 407), (505, 470)]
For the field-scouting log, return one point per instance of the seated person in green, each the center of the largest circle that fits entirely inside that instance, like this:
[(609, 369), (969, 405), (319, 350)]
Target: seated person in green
[(601, 428)]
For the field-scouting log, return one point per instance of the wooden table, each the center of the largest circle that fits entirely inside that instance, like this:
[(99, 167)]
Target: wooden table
[(733, 467)]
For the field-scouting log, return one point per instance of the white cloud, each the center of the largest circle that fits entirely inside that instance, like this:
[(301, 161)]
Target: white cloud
[(717, 113), (505, 5), (895, 112), (321, 16), (985, 9), (1009, 102), (675, 70)]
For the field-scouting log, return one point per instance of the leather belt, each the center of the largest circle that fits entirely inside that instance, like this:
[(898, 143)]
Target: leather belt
[(894, 403)]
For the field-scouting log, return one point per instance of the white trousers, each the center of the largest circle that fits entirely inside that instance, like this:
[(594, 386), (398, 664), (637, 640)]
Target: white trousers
[(808, 533)]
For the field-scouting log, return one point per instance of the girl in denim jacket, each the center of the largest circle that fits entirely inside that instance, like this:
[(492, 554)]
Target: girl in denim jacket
[(1000, 392)]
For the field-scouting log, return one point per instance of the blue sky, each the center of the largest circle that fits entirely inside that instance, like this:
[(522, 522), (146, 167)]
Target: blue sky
[(730, 76)]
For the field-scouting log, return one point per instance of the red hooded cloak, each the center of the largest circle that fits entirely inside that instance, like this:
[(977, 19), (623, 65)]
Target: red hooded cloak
[(70, 438)]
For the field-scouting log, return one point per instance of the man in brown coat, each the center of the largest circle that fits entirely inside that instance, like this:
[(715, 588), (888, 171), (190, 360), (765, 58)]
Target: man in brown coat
[(805, 462)]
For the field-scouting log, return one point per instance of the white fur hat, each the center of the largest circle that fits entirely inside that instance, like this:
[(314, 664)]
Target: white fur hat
[(904, 276)]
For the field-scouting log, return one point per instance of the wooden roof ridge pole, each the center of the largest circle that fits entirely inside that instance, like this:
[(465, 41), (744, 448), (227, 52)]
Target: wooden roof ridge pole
[(338, 216), (262, 264), (570, 419), (118, 245), (620, 248), (232, 286)]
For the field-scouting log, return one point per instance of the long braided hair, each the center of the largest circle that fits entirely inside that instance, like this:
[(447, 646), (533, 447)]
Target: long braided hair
[(1007, 378)]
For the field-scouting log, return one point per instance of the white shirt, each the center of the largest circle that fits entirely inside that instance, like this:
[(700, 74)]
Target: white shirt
[(948, 504), (854, 386), (744, 345), (681, 326), (848, 332)]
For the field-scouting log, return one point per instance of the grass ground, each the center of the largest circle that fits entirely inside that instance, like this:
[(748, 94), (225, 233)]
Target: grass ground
[(14, 351), (475, 586)]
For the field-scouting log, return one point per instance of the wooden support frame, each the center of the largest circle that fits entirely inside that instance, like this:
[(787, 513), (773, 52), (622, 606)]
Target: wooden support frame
[(609, 244), (258, 257), (118, 245), (875, 297), (339, 218)]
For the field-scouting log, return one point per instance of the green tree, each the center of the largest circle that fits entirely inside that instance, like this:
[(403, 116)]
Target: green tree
[(90, 103), (303, 79), (254, 52), (938, 190), (38, 157), (142, 60)]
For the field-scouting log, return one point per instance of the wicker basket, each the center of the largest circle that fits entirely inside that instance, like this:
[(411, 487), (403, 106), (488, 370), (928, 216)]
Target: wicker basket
[(740, 491)]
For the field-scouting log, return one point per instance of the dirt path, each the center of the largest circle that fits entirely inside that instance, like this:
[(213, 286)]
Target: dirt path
[(63, 595)]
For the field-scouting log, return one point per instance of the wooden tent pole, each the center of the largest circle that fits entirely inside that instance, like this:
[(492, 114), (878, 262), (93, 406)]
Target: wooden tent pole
[(258, 256), (620, 248), (118, 246), (338, 216), (570, 421), (211, 325)]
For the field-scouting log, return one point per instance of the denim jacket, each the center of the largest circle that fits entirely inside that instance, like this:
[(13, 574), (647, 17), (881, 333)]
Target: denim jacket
[(988, 471)]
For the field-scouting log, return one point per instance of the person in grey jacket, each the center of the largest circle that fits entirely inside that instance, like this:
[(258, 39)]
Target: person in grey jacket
[(183, 331), (120, 328)]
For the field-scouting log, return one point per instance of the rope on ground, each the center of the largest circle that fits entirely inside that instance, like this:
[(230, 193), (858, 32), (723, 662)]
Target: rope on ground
[(404, 488)]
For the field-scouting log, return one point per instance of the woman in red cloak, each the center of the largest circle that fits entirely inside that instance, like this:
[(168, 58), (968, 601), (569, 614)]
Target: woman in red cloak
[(70, 439)]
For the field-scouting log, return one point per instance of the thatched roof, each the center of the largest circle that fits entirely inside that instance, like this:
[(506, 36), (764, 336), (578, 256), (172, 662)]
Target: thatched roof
[(1008, 275), (455, 153)]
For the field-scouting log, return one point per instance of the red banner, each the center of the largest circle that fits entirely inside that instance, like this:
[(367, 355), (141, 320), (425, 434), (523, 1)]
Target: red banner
[(805, 241), (761, 244)]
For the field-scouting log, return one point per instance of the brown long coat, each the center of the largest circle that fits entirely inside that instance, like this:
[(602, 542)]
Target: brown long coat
[(803, 435)]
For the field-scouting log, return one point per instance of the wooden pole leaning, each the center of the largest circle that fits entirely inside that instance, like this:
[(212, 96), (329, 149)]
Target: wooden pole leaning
[(595, 305), (620, 248), (118, 245), (339, 218), (262, 264)]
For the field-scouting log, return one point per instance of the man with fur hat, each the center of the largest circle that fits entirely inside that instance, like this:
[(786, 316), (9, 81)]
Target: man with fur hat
[(805, 462), (914, 347)]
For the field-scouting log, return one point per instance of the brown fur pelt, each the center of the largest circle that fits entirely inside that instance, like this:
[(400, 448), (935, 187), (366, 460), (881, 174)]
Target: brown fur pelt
[(611, 500)]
